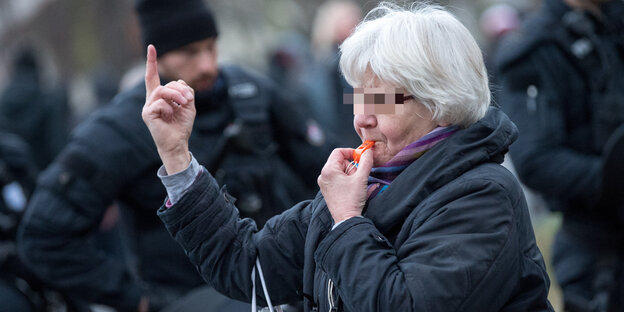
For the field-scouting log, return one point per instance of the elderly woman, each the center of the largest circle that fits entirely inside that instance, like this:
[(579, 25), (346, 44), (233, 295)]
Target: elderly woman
[(428, 221)]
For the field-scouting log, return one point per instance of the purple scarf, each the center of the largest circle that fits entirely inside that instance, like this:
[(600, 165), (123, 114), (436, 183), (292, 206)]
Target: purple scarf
[(381, 177)]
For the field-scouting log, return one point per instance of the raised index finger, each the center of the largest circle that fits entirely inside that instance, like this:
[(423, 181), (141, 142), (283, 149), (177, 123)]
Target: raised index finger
[(152, 80)]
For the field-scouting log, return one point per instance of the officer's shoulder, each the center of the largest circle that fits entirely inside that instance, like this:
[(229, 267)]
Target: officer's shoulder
[(537, 31), (132, 97), (123, 114), (125, 106), (237, 75)]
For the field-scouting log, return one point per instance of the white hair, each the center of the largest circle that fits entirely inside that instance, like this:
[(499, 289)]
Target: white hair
[(425, 50)]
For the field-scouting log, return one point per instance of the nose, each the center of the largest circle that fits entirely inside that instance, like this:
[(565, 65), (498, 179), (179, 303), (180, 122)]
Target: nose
[(364, 121), (207, 61)]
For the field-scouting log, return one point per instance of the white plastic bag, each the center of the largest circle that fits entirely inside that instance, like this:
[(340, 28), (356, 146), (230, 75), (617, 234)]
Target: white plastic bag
[(264, 289)]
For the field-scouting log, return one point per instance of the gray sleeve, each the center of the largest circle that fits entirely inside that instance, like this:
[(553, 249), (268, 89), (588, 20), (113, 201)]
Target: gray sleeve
[(177, 184)]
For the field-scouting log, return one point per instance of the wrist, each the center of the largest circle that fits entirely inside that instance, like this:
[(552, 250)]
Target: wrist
[(345, 218), (176, 161)]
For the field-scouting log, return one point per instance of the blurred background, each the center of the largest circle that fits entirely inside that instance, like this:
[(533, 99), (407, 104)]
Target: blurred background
[(88, 45), (86, 51)]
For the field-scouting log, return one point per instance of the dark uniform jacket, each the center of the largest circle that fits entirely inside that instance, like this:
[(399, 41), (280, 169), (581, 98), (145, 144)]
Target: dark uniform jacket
[(33, 111), (112, 157), (562, 83), (451, 233)]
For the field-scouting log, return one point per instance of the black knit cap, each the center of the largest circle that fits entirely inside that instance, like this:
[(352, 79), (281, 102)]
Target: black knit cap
[(172, 24)]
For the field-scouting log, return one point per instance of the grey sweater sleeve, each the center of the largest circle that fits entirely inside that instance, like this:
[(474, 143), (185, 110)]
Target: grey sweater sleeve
[(177, 184)]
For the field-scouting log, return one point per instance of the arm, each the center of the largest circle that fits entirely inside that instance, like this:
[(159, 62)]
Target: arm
[(56, 234), (545, 161), (224, 247), (205, 221)]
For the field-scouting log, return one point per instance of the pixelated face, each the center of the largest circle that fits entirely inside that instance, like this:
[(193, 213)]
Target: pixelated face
[(376, 100), (393, 120), (195, 63)]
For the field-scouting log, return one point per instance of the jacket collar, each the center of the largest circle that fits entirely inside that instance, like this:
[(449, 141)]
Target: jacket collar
[(485, 141)]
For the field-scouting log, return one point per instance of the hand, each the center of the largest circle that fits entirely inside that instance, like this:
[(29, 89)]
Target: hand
[(344, 194), (169, 113)]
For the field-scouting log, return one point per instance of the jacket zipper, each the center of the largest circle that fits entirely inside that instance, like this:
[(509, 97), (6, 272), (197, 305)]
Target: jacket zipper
[(333, 307)]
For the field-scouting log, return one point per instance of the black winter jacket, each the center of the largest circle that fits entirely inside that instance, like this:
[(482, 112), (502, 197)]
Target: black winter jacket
[(562, 83), (112, 158), (451, 233)]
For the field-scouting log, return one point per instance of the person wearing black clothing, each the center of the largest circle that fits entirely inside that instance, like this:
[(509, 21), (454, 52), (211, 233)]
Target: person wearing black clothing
[(562, 83), (323, 83), (428, 220), (18, 172), (34, 111), (245, 130)]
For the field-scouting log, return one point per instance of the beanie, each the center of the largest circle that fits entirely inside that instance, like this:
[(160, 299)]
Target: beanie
[(169, 24)]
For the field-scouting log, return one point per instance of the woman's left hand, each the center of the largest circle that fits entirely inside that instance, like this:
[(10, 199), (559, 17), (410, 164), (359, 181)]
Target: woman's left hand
[(345, 194)]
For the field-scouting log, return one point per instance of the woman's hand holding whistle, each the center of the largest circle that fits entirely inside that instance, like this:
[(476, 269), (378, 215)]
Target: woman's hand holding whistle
[(345, 192)]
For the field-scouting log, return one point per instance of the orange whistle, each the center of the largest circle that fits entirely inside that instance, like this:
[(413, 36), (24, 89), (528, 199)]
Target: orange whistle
[(357, 153)]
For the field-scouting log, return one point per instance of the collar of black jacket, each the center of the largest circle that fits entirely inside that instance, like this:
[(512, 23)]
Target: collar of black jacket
[(485, 141)]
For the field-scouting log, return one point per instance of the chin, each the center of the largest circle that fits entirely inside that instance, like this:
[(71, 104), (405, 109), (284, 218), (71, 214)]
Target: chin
[(378, 160), (203, 85)]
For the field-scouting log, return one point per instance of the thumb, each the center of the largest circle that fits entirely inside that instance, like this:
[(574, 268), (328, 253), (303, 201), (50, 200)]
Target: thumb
[(366, 164), (152, 80)]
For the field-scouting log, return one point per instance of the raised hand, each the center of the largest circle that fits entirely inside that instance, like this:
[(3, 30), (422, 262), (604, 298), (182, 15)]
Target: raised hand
[(169, 112), (345, 193)]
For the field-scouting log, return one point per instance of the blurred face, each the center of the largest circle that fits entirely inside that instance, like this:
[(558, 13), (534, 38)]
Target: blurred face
[(349, 16), (195, 63), (393, 132)]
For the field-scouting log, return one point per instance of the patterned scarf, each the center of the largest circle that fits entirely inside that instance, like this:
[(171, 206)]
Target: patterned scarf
[(381, 177)]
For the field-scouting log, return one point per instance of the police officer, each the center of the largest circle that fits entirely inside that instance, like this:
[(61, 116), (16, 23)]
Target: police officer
[(258, 145), (562, 83), (34, 111)]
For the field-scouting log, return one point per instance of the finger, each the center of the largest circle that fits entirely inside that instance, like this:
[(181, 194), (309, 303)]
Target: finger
[(340, 158), (340, 154), (184, 83), (152, 80), (170, 95), (161, 109), (366, 164), (184, 89)]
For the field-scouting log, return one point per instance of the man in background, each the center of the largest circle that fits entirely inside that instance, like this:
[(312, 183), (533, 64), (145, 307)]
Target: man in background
[(562, 80)]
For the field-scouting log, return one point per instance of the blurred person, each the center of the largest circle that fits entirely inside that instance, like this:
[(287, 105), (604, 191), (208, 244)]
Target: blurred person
[(31, 110), (428, 220), (499, 19), (18, 172), (496, 21), (324, 85), (289, 61), (251, 137), (562, 79)]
